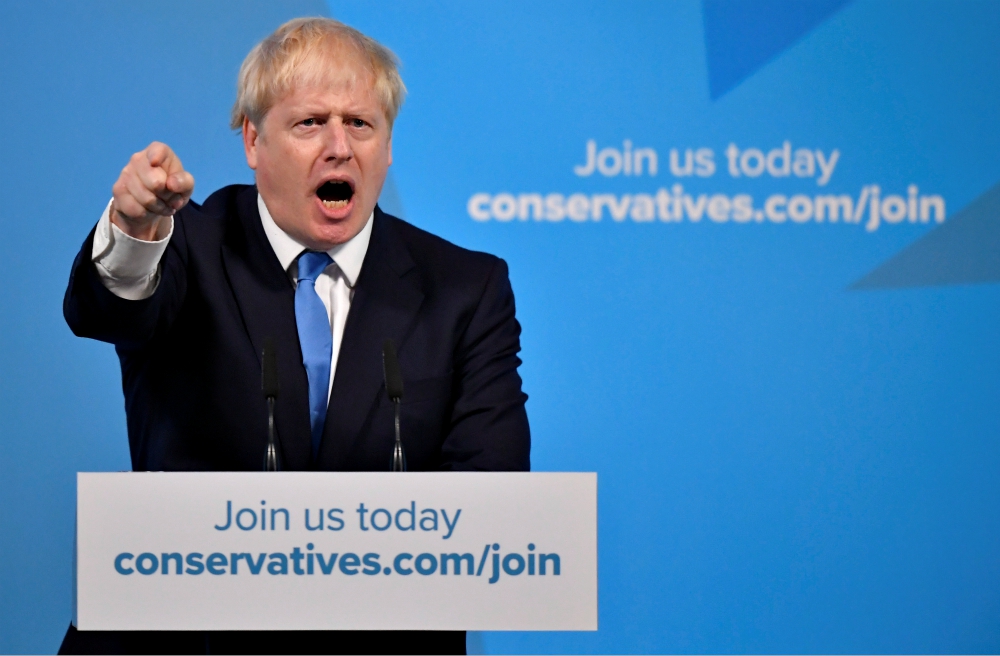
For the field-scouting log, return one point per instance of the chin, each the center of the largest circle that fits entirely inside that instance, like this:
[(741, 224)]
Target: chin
[(326, 236)]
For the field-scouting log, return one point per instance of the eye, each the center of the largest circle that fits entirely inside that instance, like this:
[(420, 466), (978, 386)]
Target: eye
[(309, 122), (357, 123)]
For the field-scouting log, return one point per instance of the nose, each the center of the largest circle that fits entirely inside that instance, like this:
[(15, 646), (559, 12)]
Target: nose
[(338, 145)]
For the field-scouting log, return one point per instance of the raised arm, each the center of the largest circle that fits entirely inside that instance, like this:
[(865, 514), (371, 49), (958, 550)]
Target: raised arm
[(119, 268)]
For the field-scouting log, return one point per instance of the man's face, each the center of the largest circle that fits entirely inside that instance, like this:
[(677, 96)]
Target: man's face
[(322, 155)]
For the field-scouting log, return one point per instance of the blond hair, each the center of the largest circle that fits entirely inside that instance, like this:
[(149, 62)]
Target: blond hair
[(276, 64)]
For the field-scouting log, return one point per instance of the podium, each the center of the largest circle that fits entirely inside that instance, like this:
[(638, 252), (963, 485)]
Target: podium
[(327, 550)]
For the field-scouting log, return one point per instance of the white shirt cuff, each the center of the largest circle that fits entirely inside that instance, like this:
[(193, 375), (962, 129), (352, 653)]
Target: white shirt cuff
[(128, 267)]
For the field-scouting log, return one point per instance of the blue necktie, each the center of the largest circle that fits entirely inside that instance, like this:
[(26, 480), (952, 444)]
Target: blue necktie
[(315, 338)]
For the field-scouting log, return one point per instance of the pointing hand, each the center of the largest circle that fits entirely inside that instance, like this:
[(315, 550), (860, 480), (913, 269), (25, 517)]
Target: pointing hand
[(152, 186)]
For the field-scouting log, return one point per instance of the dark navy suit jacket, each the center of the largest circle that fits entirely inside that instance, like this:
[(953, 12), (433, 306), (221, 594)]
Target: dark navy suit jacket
[(191, 353)]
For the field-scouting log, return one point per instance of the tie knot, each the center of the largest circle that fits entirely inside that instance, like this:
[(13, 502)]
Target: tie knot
[(311, 264)]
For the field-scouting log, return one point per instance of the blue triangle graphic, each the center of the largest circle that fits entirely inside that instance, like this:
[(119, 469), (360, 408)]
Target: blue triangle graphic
[(741, 36), (964, 250)]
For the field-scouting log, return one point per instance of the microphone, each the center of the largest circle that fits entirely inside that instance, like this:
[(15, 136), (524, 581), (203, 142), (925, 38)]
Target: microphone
[(394, 389), (269, 385)]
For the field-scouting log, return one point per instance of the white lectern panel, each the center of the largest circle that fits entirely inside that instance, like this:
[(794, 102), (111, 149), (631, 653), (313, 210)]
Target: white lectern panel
[(317, 550)]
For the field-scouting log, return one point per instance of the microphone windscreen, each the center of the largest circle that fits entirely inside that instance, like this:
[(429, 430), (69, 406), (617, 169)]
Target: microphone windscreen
[(390, 367), (269, 370)]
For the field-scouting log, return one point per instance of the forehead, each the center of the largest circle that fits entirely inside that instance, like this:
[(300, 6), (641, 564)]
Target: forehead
[(338, 67)]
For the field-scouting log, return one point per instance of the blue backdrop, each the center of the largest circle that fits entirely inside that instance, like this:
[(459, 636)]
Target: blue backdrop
[(785, 371)]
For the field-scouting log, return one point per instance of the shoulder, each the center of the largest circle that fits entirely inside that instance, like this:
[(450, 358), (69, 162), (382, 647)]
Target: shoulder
[(222, 210), (229, 199), (439, 259), (222, 204)]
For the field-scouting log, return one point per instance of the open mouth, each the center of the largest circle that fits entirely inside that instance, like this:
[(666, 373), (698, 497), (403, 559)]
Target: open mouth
[(335, 194)]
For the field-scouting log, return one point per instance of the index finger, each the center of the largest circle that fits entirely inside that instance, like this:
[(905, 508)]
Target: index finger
[(160, 155)]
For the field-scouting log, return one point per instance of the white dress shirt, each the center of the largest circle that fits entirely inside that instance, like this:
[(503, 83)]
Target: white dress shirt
[(129, 268)]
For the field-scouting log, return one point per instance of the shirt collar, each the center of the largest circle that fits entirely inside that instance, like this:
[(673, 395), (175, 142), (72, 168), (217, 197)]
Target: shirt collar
[(349, 256)]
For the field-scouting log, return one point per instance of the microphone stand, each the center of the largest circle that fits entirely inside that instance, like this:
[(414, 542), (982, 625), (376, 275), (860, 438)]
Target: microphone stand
[(269, 385), (398, 457), (271, 455), (394, 390)]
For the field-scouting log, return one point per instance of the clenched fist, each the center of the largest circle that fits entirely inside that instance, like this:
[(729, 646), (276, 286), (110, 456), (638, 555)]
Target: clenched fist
[(152, 186)]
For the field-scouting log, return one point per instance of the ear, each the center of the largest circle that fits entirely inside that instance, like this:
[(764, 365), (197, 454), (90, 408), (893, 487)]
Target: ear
[(250, 137), (390, 150)]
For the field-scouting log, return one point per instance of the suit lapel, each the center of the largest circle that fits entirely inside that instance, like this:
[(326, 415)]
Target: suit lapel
[(266, 300), (387, 297)]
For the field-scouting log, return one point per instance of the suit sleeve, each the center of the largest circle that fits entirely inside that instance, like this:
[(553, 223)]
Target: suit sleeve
[(489, 424), (91, 310)]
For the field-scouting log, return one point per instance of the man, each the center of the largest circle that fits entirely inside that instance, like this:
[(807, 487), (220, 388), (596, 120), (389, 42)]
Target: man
[(189, 294)]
